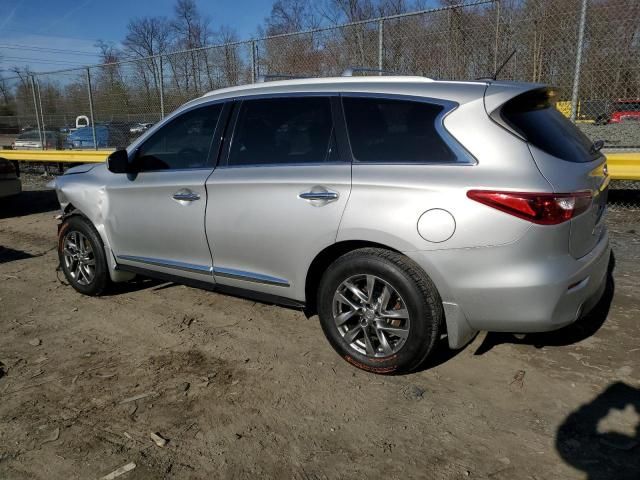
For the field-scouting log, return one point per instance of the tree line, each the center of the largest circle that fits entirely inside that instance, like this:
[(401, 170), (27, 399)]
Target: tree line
[(174, 54)]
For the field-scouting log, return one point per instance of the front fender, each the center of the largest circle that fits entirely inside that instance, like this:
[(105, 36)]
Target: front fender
[(85, 194)]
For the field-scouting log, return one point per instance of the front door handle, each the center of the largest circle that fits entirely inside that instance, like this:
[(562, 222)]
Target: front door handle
[(186, 196), (327, 196)]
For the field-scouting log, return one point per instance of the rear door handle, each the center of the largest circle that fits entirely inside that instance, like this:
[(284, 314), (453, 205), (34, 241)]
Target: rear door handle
[(319, 196), (186, 196)]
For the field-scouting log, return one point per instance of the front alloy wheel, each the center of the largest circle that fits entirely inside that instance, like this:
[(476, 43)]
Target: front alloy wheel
[(82, 256), (79, 258)]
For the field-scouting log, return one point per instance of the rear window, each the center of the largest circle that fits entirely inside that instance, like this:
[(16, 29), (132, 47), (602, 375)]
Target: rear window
[(395, 131), (534, 116)]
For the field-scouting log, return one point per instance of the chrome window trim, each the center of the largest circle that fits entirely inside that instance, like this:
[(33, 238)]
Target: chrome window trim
[(166, 170), (281, 165), (159, 262), (463, 156), (249, 276)]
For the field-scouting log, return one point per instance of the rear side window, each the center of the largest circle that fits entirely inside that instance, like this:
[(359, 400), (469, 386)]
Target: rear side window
[(534, 116), (294, 130), (395, 131)]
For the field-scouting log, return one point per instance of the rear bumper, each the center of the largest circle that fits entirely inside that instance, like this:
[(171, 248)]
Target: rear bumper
[(517, 287), (10, 187)]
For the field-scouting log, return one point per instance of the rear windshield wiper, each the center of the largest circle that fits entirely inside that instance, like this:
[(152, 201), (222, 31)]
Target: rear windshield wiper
[(596, 146)]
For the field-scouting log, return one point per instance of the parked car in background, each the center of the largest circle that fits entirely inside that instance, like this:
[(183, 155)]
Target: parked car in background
[(625, 111), (106, 136), (621, 111), (32, 140), (397, 208), (140, 127), (9, 181)]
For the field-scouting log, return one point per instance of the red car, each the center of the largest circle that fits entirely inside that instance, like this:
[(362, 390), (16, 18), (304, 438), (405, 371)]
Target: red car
[(625, 111)]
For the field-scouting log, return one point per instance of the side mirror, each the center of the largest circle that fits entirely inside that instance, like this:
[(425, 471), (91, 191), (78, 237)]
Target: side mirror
[(118, 162)]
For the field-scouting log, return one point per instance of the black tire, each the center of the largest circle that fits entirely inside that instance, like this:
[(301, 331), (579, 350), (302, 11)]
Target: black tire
[(414, 288), (101, 279)]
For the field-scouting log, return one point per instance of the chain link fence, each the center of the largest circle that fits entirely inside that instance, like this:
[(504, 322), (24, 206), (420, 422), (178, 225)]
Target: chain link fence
[(588, 49)]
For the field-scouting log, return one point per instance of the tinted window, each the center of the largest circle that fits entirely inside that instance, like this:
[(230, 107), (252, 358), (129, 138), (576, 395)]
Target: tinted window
[(534, 116), (283, 130), (395, 131), (184, 142)]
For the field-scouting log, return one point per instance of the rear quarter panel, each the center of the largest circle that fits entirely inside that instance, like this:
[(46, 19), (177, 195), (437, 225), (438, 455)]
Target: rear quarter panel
[(388, 200)]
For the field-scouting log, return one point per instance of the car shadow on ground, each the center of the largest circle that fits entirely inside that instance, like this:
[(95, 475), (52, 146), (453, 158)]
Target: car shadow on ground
[(440, 354), (587, 442), (10, 255), (137, 284), (569, 335), (29, 203)]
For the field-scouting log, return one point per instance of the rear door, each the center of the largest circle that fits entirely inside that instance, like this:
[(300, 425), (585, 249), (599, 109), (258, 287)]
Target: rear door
[(277, 198), (567, 159)]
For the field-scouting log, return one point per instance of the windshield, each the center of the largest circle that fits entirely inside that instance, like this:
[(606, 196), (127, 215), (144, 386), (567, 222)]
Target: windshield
[(534, 116), (627, 106), (86, 133)]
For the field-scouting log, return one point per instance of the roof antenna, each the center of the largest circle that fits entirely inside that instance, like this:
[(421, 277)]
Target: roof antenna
[(504, 64)]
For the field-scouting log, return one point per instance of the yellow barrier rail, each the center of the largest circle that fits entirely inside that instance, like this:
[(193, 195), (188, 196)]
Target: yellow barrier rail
[(622, 166), (56, 156)]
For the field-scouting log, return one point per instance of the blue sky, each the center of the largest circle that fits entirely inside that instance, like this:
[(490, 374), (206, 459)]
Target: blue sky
[(28, 26)]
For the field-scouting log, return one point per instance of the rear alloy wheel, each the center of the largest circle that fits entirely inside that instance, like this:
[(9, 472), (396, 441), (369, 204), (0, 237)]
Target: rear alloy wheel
[(371, 316), (379, 310), (82, 257)]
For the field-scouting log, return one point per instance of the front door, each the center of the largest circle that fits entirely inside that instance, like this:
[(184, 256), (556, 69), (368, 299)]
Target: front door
[(155, 218), (277, 199)]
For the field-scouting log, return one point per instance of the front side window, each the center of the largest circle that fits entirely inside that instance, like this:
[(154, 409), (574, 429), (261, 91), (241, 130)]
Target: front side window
[(297, 130), (395, 131), (183, 143)]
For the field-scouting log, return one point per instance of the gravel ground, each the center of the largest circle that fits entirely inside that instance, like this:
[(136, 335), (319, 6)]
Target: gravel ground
[(248, 390)]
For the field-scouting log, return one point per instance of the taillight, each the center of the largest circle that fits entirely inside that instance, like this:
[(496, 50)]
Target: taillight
[(540, 208)]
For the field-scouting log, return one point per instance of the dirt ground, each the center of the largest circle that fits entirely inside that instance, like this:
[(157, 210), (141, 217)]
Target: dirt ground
[(248, 390)]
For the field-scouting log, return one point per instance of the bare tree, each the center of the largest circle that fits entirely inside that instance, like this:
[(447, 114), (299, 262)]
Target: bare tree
[(110, 91), (147, 38), (289, 16), (191, 30), (226, 59)]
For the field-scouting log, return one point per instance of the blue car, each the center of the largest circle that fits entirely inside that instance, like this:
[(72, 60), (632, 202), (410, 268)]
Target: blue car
[(106, 136)]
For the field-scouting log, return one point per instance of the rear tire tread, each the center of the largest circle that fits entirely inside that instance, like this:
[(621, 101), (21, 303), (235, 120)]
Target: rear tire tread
[(427, 291)]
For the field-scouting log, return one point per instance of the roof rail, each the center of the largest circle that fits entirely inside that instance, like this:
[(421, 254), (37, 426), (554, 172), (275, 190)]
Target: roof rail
[(277, 76), (351, 70)]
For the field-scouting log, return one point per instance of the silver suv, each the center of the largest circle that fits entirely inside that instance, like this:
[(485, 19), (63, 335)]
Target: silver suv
[(399, 209)]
